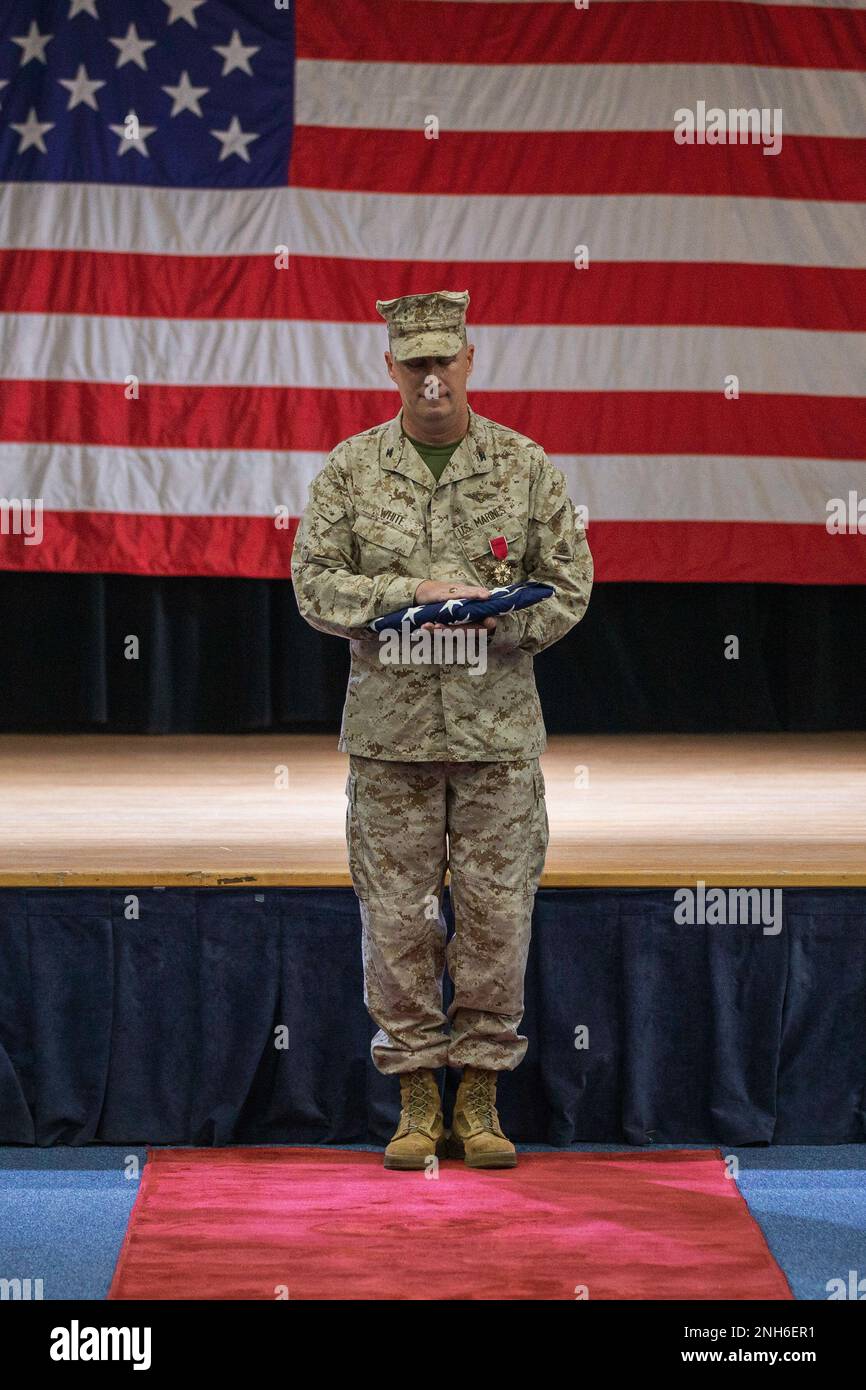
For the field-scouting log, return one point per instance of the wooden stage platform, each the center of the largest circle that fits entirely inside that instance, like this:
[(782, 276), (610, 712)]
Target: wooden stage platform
[(649, 810)]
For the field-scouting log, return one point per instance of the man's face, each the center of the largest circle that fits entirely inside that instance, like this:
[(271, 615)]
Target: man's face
[(433, 389)]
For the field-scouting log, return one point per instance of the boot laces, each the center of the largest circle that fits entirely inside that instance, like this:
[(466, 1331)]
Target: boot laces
[(481, 1101), (417, 1103)]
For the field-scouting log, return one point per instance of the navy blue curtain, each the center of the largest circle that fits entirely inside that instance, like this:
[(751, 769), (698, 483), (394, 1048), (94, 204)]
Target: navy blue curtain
[(160, 1029)]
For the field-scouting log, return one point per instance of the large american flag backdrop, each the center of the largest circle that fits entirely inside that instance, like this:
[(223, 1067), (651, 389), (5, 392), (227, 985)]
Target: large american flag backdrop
[(172, 380)]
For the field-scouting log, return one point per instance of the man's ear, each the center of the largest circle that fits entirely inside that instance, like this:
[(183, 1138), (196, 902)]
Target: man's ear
[(389, 363), (470, 357)]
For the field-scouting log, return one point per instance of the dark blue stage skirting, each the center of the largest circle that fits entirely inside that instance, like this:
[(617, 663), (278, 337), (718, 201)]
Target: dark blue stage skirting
[(161, 1030)]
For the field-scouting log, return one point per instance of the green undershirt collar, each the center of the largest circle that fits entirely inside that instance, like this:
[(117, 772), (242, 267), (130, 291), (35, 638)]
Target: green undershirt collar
[(436, 456)]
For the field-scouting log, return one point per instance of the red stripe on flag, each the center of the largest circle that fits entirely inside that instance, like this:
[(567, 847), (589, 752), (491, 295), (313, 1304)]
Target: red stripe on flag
[(645, 31), (653, 293), (249, 547), (563, 422), (134, 543), (574, 162), (145, 286), (332, 289), (725, 552)]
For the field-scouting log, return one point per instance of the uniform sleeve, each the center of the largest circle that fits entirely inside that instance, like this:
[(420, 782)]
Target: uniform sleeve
[(557, 553), (331, 593)]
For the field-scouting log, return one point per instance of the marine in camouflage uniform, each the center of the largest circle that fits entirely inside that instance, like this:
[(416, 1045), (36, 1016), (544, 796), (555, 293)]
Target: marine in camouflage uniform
[(443, 765)]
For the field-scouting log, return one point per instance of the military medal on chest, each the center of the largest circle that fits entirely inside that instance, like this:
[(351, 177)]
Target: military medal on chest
[(499, 549)]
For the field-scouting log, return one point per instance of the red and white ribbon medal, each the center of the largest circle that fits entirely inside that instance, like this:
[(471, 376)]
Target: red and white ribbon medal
[(499, 550)]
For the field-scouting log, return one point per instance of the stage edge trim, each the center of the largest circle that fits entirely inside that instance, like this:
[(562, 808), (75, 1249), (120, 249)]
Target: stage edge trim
[(281, 878)]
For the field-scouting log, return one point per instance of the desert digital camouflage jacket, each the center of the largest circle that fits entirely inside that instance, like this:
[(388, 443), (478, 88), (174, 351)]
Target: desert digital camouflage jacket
[(377, 523)]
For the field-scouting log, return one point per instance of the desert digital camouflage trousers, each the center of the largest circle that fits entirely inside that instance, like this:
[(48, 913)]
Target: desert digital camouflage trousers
[(405, 822)]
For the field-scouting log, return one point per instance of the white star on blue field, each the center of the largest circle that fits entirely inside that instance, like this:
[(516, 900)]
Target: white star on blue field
[(171, 93)]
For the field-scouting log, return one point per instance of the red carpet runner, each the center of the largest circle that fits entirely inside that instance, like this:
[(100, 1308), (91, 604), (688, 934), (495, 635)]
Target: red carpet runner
[(328, 1224)]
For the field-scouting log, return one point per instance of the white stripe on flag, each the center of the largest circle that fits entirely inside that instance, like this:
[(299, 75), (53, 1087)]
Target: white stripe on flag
[(624, 487), (350, 356), (385, 226), (411, 226), (570, 96)]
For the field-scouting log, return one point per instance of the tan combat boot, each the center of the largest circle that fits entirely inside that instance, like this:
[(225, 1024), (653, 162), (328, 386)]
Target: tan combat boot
[(476, 1134), (421, 1131)]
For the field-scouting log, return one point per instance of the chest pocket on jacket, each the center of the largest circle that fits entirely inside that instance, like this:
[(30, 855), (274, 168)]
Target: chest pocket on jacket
[(475, 539), (383, 536)]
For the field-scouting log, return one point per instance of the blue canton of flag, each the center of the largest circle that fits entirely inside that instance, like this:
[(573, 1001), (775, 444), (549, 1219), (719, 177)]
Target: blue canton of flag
[(456, 611), (174, 93)]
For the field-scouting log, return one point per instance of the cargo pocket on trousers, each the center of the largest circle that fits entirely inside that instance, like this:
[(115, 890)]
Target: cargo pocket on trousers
[(353, 838), (539, 832)]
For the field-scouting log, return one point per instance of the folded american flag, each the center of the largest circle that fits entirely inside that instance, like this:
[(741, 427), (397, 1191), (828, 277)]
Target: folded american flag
[(467, 610)]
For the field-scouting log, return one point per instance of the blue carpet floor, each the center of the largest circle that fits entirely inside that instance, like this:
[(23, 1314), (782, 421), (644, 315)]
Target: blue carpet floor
[(63, 1212)]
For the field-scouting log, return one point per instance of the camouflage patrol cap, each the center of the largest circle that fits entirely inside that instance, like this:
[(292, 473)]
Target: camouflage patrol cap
[(425, 325)]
